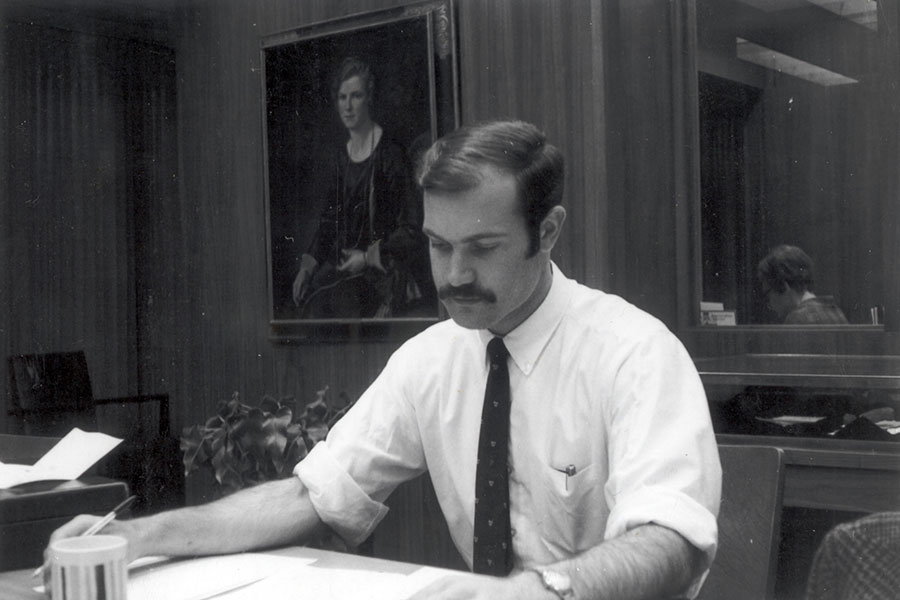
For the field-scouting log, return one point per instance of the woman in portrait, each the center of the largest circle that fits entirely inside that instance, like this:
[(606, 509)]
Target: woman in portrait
[(367, 258)]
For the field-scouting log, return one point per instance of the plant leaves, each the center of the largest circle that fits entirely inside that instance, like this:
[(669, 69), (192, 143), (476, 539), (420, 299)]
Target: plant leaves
[(245, 445)]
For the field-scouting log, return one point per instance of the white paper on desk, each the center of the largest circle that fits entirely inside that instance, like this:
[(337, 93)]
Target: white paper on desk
[(68, 459), (212, 576), (316, 583)]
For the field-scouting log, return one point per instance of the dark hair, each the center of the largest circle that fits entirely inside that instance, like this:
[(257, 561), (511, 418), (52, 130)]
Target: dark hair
[(455, 163), (786, 264), (353, 67)]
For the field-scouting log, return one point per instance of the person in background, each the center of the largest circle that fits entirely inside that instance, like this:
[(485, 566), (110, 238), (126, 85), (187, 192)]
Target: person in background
[(602, 480), (363, 257), (786, 274)]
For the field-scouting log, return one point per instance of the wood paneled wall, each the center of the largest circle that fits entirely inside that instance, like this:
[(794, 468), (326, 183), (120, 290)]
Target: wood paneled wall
[(534, 60), (78, 151)]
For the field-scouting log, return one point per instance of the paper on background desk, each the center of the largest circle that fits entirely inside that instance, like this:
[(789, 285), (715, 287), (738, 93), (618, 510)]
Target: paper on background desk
[(250, 576), (68, 459)]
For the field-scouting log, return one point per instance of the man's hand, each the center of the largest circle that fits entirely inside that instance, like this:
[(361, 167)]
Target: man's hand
[(353, 261), (81, 523), (481, 587)]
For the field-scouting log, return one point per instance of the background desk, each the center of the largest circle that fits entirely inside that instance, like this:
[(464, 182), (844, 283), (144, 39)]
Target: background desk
[(844, 475), (827, 481), (822, 473), (29, 513)]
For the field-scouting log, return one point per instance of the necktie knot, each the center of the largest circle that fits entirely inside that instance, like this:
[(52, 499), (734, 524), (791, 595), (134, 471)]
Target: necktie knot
[(497, 351)]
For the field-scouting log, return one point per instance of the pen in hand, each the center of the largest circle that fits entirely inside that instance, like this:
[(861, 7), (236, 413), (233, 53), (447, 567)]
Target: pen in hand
[(96, 527)]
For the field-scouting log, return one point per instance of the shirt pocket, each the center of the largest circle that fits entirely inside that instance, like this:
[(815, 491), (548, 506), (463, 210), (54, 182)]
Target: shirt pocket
[(573, 516)]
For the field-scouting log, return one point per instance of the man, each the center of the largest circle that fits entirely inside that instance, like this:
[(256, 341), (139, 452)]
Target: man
[(786, 274), (613, 475)]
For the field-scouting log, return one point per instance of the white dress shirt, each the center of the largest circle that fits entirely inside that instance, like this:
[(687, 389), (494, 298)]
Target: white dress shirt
[(599, 388)]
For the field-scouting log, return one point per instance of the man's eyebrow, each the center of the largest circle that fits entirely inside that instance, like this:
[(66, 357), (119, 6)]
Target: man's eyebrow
[(476, 237)]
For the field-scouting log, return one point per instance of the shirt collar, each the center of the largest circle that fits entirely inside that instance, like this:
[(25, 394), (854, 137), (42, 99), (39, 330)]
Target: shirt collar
[(526, 342)]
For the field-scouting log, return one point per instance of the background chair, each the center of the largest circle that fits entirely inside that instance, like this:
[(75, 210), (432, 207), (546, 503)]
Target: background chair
[(749, 524), (49, 394), (858, 560)]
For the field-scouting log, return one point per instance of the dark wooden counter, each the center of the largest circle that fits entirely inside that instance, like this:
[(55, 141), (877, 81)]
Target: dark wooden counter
[(803, 370), (831, 474), (844, 475)]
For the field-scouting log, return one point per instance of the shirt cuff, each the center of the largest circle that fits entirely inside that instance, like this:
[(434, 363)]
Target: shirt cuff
[(673, 510), (338, 500)]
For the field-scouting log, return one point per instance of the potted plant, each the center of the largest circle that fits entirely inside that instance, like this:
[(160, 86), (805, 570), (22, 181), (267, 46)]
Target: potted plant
[(245, 445)]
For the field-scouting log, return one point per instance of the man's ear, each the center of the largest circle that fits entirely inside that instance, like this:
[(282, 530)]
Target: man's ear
[(551, 227)]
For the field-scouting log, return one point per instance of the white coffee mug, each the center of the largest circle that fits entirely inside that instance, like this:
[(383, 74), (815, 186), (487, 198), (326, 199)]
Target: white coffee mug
[(89, 568)]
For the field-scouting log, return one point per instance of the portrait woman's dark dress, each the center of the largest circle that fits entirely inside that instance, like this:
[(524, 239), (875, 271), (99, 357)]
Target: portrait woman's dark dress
[(372, 207)]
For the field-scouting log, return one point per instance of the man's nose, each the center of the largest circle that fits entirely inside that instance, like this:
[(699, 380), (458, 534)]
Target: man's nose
[(460, 271)]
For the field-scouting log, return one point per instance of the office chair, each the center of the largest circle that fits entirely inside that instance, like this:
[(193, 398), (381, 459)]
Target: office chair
[(749, 524), (858, 559), (51, 393)]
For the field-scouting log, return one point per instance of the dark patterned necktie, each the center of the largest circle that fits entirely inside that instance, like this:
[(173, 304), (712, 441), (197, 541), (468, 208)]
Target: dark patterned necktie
[(492, 541)]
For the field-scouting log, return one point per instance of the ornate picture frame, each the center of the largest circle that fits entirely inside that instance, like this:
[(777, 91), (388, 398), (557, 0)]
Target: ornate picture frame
[(345, 252)]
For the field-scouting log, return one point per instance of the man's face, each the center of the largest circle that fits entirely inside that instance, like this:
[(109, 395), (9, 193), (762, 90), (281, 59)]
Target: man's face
[(478, 244), (353, 103)]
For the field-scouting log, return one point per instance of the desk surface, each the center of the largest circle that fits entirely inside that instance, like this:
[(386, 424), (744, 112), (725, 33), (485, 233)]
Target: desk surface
[(20, 585)]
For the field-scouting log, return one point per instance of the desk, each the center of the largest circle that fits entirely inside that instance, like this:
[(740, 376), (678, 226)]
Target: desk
[(821, 473), (826, 479), (19, 584), (29, 513), (844, 475)]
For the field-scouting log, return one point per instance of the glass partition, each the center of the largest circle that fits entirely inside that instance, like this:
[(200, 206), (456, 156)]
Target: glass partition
[(796, 98)]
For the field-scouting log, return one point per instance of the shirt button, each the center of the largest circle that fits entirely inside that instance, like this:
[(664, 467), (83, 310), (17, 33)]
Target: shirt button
[(512, 532)]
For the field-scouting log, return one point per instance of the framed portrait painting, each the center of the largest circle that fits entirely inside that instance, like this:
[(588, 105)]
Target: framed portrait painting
[(349, 106)]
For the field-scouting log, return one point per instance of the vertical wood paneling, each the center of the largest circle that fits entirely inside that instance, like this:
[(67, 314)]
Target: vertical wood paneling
[(542, 62), (641, 117), (890, 217), (68, 251), (6, 229)]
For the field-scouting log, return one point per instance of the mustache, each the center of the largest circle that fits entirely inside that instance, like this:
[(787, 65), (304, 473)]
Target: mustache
[(467, 291)]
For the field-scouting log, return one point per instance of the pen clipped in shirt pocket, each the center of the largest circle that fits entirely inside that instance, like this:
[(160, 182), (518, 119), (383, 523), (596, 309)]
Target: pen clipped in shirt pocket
[(569, 480)]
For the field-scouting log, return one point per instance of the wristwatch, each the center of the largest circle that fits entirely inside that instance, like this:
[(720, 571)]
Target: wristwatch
[(558, 583)]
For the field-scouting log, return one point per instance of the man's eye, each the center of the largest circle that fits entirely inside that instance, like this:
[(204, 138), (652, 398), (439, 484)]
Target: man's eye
[(440, 246), (484, 248)]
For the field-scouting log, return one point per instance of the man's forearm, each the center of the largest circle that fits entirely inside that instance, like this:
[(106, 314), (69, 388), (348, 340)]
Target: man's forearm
[(650, 561), (270, 514)]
